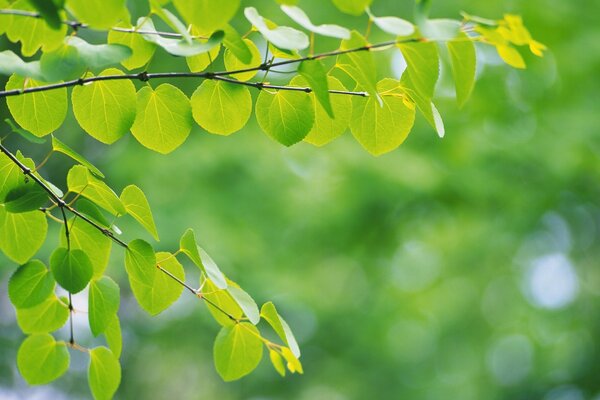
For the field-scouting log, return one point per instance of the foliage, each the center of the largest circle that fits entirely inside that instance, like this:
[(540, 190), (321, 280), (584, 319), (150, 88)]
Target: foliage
[(315, 106)]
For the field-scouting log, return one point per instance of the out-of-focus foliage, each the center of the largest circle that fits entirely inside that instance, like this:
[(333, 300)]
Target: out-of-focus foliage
[(458, 268)]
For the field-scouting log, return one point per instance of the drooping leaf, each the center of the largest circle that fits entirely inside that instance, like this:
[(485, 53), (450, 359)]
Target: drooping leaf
[(40, 113), (277, 362), (101, 14), (286, 116), (137, 206), (142, 50), (22, 234), (91, 241), (61, 147), (64, 63), (300, 17), (283, 37), (269, 313), (326, 128), (221, 107), (92, 211), (80, 180), (99, 56), (463, 61), (10, 63), (113, 336), (171, 20), (200, 62), (382, 129), (30, 285), (237, 351), (103, 304), (359, 65), (221, 304), (27, 196), (293, 363), (164, 118), (232, 63), (423, 67), (41, 359), (71, 268), (316, 76), (23, 133), (48, 316), (353, 7), (392, 25), (207, 15), (201, 259), (104, 373), (245, 301), (236, 45), (511, 56)]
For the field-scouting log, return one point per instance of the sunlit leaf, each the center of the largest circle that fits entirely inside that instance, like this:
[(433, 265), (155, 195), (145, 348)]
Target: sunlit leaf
[(30, 285), (22, 234), (137, 206), (300, 17), (103, 304), (47, 316), (71, 268), (237, 351), (41, 359), (281, 36), (104, 373)]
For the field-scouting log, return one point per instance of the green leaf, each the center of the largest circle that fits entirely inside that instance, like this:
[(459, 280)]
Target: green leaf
[(48, 316), (224, 301), (277, 362), (80, 180), (41, 112), (99, 56), (100, 14), (200, 62), (382, 129), (245, 301), (359, 65), (105, 109), (316, 76), (25, 197), (142, 50), (23, 133), (33, 33), (137, 206), (286, 116), (233, 63), (178, 47), (300, 17), (353, 7), (221, 107), (237, 351), (113, 336), (164, 118), (325, 128), (30, 285), (22, 234), (237, 45), (103, 304), (269, 313), (60, 147), (171, 20), (393, 25), (201, 259), (11, 175), (41, 359), (10, 63), (104, 373), (72, 269), (424, 104), (62, 63), (284, 37), (423, 67), (92, 242), (90, 209), (207, 15), (154, 290), (49, 10)]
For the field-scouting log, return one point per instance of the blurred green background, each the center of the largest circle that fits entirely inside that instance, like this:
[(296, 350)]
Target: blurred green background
[(462, 268)]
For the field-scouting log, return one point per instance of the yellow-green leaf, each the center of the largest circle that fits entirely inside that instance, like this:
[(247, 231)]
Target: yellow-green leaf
[(137, 206)]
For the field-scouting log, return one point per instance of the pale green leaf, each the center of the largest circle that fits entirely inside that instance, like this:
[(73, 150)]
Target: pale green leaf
[(41, 359), (71, 268), (232, 63), (220, 304), (423, 67), (40, 113), (62, 63), (236, 45), (189, 246), (237, 351), (48, 316), (441, 29), (246, 302), (10, 63), (30, 285), (98, 56), (101, 14), (359, 65), (300, 17), (80, 180), (103, 304), (61, 147), (212, 270), (104, 373), (200, 62), (22, 234), (269, 313), (164, 118), (221, 107), (281, 36), (113, 336), (207, 15), (137, 206), (353, 7), (142, 50), (316, 76), (393, 25), (91, 241)]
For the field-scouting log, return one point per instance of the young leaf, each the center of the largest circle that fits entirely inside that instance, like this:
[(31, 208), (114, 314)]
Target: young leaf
[(103, 304), (237, 351), (359, 65), (353, 7), (40, 113), (41, 359), (326, 128), (269, 313), (232, 63), (10, 63), (237, 45), (316, 76), (71, 268), (511, 56), (201, 259), (293, 363), (48, 316), (245, 301), (284, 37), (80, 180), (22, 234), (30, 285), (164, 118), (207, 15), (221, 107), (25, 197), (463, 61), (286, 116), (189, 247), (300, 17), (382, 129), (277, 362), (224, 301), (137, 206), (113, 336), (91, 241), (100, 14), (142, 50), (393, 25), (422, 66), (104, 373), (60, 147)]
